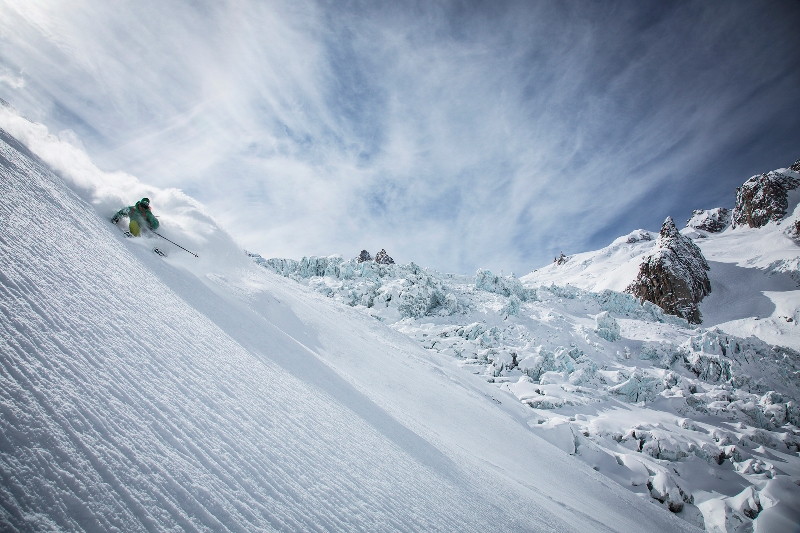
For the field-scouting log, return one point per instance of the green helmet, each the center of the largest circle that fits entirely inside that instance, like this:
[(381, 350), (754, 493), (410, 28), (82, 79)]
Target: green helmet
[(145, 202)]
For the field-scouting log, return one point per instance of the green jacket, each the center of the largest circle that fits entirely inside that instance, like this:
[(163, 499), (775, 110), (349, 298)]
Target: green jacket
[(139, 214)]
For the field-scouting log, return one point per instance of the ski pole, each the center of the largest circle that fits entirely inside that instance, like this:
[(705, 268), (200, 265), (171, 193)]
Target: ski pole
[(176, 244)]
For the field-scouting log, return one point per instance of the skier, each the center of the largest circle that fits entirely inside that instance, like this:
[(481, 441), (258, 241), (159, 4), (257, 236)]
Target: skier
[(138, 214)]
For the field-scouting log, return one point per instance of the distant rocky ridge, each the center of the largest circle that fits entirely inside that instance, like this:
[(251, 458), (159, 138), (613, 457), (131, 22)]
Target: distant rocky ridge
[(674, 275), (764, 198), (710, 220), (382, 258), (638, 236)]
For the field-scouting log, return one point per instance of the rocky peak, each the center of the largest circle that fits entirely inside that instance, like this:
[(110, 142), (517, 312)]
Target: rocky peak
[(673, 275), (561, 259), (638, 236), (796, 166), (363, 256), (764, 198), (668, 230), (382, 258), (710, 220)]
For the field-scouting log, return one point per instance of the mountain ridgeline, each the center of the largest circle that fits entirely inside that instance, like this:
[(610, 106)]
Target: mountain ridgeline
[(764, 198), (674, 275)]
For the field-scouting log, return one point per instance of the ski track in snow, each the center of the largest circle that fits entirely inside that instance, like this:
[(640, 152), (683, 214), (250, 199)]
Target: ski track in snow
[(136, 397)]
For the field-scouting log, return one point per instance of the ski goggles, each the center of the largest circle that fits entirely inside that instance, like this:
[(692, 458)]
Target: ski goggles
[(144, 202)]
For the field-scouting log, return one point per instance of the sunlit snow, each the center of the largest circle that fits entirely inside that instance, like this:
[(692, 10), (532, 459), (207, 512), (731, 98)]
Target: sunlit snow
[(234, 392), (142, 393)]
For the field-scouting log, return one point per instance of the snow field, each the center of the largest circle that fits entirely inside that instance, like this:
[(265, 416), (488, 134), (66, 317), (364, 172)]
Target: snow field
[(484, 435), (682, 416), (149, 394)]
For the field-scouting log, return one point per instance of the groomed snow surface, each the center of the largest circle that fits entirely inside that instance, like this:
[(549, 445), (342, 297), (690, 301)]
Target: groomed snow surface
[(141, 393)]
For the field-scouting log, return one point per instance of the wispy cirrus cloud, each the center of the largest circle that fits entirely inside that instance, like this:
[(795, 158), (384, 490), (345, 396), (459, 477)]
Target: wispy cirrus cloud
[(8, 78), (455, 134)]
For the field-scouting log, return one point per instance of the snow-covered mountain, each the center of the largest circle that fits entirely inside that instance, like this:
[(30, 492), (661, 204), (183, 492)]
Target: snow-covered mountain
[(754, 271), (227, 392), (702, 419), (143, 393)]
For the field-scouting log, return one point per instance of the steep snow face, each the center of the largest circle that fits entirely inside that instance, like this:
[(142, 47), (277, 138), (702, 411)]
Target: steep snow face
[(142, 393), (127, 405), (673, 275)]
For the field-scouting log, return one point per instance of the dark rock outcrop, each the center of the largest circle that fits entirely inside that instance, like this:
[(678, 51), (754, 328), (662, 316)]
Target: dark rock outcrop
[(561, 259), (382, 258), (763, 198), (711, 220), (673, 275), (638, 236), (363, 256)]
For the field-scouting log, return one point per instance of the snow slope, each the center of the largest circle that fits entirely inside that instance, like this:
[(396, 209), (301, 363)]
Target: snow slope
[(148, 394), (694, 419), (613, 267)]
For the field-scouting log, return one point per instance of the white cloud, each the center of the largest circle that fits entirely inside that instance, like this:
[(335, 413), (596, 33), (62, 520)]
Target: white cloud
[(456, 140), (8, 78)]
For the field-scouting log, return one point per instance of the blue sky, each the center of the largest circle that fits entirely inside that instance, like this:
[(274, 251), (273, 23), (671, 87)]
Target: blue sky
[(457, 135)]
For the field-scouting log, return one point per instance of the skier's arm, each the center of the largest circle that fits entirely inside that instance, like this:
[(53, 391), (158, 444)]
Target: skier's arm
[(121, 213), (152, 220)]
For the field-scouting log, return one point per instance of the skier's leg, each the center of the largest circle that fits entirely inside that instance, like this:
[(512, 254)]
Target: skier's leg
[(134, 226)]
